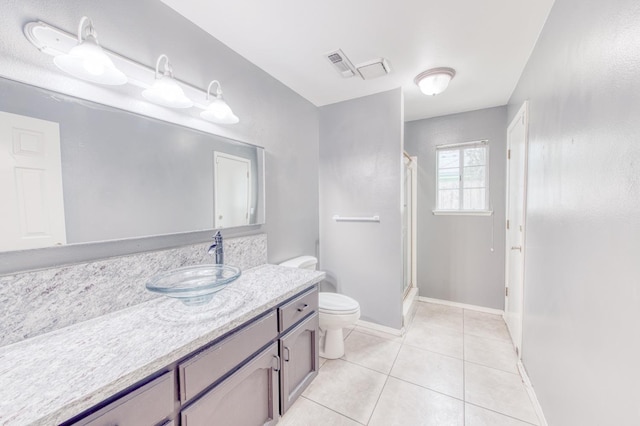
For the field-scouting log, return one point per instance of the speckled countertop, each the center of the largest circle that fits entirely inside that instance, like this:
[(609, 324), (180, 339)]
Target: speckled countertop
[(53, 377)]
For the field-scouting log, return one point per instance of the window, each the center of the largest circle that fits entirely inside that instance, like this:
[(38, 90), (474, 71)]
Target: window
[(462, 178)]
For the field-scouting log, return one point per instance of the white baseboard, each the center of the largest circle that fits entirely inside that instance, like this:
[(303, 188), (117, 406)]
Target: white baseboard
[(409, 306), (378, 327), (532, 394), (462, 305)]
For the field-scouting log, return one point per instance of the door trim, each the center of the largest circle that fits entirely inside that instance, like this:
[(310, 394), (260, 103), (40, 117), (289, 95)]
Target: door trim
[(524, 112)]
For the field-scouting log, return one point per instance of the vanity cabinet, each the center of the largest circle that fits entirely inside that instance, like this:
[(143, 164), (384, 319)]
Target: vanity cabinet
[(248, 377)]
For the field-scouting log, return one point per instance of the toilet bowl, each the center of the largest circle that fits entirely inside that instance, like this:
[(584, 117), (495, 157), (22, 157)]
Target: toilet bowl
[(336, 311)]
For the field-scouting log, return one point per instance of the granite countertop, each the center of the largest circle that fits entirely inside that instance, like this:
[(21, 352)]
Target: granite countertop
[(50, 378)]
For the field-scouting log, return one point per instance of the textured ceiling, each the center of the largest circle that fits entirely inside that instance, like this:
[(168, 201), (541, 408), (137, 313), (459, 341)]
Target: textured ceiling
[(488, 42)]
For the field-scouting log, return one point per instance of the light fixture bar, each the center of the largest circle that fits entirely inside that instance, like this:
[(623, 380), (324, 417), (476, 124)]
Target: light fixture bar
[(54, 41)]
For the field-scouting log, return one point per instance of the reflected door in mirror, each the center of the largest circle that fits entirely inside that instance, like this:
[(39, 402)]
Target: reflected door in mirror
[(232, 191), (32, 206)]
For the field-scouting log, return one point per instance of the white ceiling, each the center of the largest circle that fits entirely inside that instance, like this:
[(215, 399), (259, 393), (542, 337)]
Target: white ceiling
[(488, 42)]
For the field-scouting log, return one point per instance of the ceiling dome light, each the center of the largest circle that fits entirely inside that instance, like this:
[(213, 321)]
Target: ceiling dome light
[(218, 110), (434, 81), (165, 91), (88, 61)]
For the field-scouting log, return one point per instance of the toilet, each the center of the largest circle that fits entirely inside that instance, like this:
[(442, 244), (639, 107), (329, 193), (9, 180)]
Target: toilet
[(336, 311)]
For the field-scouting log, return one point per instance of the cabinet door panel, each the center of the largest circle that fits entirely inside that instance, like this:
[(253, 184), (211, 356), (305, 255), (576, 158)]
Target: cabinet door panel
[(300, 361), (249, 397)]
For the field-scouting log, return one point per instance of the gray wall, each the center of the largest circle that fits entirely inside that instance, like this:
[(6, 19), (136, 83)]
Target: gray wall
[(581, 335), (360, 175), (271, 115), (454, 256)]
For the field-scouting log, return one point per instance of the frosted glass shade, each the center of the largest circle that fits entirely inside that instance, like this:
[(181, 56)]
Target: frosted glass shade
[(219, 112), (435, 81), (88, 61), (166, 92)]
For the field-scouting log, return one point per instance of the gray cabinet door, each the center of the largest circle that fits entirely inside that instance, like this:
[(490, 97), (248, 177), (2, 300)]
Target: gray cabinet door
[(300, 362), (249, 397)]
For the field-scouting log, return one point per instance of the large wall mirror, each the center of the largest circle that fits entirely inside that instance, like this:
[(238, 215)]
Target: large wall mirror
[(116, 174)]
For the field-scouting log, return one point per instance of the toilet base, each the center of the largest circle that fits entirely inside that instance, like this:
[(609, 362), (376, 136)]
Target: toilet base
[(333, 347)]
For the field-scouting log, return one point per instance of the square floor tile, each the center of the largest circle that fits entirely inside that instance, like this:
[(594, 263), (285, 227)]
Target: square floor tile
[(379, 333), (370, 351), (439, 315), (436, 339), (486, 325), (322, 361), (476, 416), (437, 372), (404, 404), (347, 388), (493, 353), (498, 391), (308, 413)]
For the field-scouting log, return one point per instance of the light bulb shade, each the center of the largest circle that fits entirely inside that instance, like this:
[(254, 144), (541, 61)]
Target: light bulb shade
[(166, 92), (434, 81), (88, 61), (219, 111)]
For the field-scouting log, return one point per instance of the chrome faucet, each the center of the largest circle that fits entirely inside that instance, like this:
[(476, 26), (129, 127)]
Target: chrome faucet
[(217, 249)]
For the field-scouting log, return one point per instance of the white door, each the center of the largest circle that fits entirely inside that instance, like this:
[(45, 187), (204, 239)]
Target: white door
[(232, 192), (31, 206), (516, 215)]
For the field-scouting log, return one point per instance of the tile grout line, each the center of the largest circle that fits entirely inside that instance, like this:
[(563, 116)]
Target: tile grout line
[(331, 409), (386, 380), (500, 413)]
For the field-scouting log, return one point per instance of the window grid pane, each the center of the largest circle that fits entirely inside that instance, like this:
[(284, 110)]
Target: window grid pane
[(462, 178)]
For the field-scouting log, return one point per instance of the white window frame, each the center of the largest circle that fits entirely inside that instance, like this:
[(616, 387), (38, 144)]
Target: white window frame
[(486, 211)]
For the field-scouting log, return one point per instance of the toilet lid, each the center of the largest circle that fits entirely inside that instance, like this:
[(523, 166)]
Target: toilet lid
[(337, 303)]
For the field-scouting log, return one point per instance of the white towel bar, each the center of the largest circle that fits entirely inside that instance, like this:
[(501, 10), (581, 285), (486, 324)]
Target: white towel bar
[(339, 218)]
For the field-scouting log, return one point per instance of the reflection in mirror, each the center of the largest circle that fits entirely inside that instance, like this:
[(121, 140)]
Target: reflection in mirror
[(123, 175)]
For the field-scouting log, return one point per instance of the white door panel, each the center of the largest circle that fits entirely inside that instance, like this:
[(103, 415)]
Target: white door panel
[(516, 215), (32, 208), (232, 191)]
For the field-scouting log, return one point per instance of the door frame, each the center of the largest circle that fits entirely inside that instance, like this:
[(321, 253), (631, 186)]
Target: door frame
[(413, 234), (523, 112)]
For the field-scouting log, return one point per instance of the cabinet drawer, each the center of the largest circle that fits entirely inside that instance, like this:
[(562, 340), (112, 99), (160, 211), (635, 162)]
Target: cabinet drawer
[(292, 312), (199, 372), (147, 405), (249, 397)]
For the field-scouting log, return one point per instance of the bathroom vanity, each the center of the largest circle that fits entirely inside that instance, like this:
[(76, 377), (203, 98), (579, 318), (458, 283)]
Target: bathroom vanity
[(242, 359)]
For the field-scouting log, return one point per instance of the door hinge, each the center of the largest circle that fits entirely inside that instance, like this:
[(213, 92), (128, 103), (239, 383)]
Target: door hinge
[(508, 154), (506, 291), (507, 223)]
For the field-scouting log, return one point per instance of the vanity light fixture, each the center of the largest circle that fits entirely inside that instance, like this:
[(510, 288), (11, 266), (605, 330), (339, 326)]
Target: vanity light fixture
[(165, 91), (434, 81), (88, 61), (218, 111)]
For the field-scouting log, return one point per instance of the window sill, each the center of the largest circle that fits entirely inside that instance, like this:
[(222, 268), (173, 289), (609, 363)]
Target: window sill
[(462, 212)]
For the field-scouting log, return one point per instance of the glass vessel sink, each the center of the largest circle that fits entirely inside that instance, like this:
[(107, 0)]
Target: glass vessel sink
[(193, 285)]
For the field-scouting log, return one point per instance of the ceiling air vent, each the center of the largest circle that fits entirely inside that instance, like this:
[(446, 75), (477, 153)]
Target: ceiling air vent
[(342, 63), (374, 69)]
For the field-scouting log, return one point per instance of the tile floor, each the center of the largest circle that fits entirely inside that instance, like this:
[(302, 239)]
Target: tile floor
[(453, 367)]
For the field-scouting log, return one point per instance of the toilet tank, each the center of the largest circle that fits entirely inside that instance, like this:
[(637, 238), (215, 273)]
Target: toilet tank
[(302, 262)]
